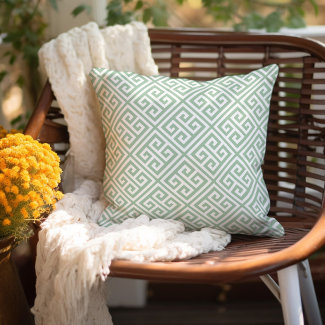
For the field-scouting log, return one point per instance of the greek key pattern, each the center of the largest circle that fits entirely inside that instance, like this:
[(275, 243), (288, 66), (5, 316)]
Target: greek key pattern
[(187, 150)]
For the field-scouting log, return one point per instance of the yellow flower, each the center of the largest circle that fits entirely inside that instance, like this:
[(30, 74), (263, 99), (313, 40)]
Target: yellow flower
[(59, 195), (33, 205), (24, 163), (25, 176), (12, 173), (6, 222), (32, 161), (3, 198), (29, 177), (3, 164), (19, 198), (6, 181), (33, 195), (26, 185), (35, 182), (8, 209), (2, 195), (24, 213), (14, 189), (36, 214)]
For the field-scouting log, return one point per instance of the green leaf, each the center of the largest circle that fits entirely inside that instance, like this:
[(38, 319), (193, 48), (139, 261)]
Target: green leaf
[(79, 9), (147, 15), (159, 16), (53, 4), (21, 120), (138, 5), (3, 73), (20, 81), (254, 21), (30, 53), (239, 27), (295, 22), (13, 37), (16, 120), (297, 11), (31, 36), (315, 6), (221, 10), (12, 59), (115, 14), (273, 22), (115, 4), (126, 18)]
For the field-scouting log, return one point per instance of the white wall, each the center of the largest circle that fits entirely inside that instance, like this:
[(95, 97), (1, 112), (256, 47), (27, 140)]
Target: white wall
[(314, 32)]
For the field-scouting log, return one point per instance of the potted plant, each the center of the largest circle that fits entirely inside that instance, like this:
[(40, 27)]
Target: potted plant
[(29, 177)]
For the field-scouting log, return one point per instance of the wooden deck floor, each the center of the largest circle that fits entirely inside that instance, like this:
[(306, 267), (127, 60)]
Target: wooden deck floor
[(241, 313), (244, 304), (200, 314)]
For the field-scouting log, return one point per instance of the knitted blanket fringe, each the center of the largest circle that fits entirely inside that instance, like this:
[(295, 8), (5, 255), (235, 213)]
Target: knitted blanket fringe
[(74, 254)]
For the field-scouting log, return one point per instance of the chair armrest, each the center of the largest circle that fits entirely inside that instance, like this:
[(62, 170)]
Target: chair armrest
[(207, 270), (38, 117), (309, 244), (297, 252)]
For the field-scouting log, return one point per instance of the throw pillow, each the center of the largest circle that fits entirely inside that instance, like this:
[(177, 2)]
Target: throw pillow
[(187, 150)]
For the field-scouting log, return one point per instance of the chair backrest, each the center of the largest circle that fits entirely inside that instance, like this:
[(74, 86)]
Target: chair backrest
[(294, 165)]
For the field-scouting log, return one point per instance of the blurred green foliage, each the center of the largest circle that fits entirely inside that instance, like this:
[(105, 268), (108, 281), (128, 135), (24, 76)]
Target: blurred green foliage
[(155, 12), (270, 15), (23, 26)]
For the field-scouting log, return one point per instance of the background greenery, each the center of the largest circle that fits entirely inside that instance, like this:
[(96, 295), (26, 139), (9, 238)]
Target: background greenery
[(240, 14), (23, 24)]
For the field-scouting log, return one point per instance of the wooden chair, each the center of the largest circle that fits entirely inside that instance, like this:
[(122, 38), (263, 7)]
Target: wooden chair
[(294, 166)]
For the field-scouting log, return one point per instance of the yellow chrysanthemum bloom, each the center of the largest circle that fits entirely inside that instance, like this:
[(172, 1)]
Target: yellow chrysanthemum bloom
[(6, 222), (29, 177), (33, 205), (24, 213), (14, 189)]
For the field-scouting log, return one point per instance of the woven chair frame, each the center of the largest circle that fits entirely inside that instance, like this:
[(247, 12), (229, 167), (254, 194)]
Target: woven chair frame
[(294, 165)]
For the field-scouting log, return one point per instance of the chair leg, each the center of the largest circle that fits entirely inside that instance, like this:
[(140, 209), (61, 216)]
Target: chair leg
[(308, 294), (290, 296)]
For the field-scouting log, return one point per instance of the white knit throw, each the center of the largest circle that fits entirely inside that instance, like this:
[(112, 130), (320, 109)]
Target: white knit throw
[(74, 253)]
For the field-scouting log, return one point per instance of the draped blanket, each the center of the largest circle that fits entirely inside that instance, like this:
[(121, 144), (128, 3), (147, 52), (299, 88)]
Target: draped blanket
[(74, 254)]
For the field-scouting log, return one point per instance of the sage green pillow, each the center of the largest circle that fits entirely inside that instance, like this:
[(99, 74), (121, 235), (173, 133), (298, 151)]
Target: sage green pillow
[(187, 150)]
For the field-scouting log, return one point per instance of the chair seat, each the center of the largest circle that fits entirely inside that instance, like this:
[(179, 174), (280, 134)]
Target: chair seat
[(231, 264)]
